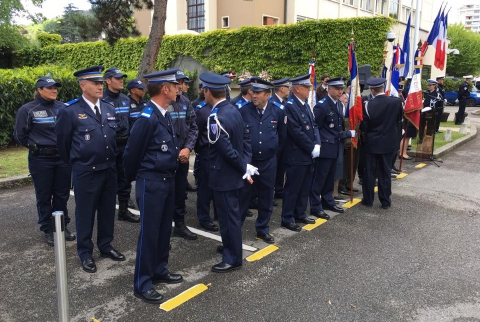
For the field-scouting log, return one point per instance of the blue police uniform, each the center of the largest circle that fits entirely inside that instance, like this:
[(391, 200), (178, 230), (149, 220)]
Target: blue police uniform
[(280, 175), (331, 126), (267, 131), (151, 158), (302, 136), (35, 129), (89, 146), (463, 96), (136, 108)]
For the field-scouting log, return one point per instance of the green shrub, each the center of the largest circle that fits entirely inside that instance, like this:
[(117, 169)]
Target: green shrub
[(46, 39)]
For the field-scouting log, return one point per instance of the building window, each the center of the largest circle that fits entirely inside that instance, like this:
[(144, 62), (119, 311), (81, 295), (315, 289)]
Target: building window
[(302, 18), (393, 11), (226, 22), (368, 5), (196, 15), (349, 2), (269, 21)]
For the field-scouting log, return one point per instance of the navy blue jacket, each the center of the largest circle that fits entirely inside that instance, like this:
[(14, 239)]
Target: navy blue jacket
[(302, 133), (35, 123), (331, 127), (238, 101), (121, 103), (184, 124), (463, 91), (151, 150), (267, 132), (202, 112), (136, 109), (274, 98), (229, 155), (82, 140), (381, 122)]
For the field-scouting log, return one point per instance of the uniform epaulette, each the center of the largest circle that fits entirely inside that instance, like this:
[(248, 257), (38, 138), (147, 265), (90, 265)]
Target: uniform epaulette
[(202, 104), (290, 101), (322, 100), (240, 105), (214, 112), (277, 104), (147, 112), (71, 102), (111, 103)]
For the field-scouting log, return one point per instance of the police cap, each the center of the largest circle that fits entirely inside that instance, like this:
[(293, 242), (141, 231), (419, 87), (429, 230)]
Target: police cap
[(376, 82), (245, 83), (93, 74), (46, 81), (259, 85), (301, 80), (136, 83), (163, 76), (214, 81), (284, 82), (336, 82), (431, 82), (181, 75), (114, 72), (440, 77), (468, 77)]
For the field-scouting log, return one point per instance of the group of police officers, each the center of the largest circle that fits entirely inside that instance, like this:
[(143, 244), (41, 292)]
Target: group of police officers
[(245, 148)]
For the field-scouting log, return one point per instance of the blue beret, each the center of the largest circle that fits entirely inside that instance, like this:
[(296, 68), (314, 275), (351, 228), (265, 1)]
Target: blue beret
[(376, 82), (136, 83), (301, 80), (114, 72), (281, 82), (259, 85), (93, 74), (163, 76), (214, 81), (336, 82), (46, 81)]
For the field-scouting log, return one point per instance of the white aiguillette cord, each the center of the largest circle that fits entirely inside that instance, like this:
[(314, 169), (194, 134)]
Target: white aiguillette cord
[(220, 128)]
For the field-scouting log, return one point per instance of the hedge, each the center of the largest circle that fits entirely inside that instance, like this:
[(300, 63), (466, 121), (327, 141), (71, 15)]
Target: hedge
[(282, 50)]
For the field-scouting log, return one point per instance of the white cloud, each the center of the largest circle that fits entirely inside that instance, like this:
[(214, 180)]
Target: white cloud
[(50, 8)]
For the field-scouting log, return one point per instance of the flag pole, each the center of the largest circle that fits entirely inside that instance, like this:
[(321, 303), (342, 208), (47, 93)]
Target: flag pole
[(351, 141), (402, 150)]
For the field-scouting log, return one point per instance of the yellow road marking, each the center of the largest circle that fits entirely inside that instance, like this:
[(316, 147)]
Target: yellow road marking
[(375, 189), (402, 175), (183, 297), (95, 320), (421, 165), (352, 203), (317, 223), (262, 253)]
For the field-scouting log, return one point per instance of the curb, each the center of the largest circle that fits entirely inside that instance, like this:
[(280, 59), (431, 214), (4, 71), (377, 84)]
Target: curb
[(15, 182)]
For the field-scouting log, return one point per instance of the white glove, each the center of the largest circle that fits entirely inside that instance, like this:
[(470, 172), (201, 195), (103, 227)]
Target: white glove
[(353, 133), (316, 151), (251, 171)]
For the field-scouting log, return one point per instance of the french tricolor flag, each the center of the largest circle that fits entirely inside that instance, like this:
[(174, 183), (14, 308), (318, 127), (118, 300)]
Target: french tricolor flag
[(354, 111)]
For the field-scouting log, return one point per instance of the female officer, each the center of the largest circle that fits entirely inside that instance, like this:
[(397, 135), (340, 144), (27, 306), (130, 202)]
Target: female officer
[(35, 129)]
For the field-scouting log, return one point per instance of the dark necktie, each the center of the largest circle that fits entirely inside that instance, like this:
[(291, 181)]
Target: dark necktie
[(97, 113), (168, 117), (260, 112)]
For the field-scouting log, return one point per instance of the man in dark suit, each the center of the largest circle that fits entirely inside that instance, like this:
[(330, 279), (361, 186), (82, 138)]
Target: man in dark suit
[(86, 140), (151, 159), (329, 119), (302, 145), (322, 89), (381, 120), (229, 161)]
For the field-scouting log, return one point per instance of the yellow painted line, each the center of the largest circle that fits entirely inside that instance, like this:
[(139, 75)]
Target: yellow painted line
[(183, 297), (375, 189), (421, 165), (262, 253), (402, 175), (317, 223), (95, 320), (352, 203)]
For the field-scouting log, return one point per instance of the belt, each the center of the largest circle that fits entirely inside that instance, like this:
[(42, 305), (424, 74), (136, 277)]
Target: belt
[(47, 151), (121, 139)]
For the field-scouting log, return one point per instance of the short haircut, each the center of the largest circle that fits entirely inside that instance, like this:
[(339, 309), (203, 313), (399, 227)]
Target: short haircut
[(218, 93), (324, 76), (378, 89), (244, 90), (154, 89)]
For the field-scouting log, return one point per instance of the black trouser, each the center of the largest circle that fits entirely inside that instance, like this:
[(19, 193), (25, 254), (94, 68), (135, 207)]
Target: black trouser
[(438, 117), (204, 192), (361, 160), (462, 104), (123, 186), (379, 164), (180, 189), (280, 175)]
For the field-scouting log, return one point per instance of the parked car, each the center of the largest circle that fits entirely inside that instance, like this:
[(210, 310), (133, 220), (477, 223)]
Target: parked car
[(474, 99)]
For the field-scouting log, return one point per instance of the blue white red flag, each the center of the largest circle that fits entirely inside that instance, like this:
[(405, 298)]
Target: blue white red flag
[(354, 111), (312, 96)]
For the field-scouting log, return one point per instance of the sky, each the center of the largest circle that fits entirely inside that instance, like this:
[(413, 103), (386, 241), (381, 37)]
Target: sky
[(51, 8)]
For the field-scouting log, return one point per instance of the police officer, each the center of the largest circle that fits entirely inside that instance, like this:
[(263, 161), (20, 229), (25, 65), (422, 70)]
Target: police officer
[(204, 192), (431, 100), (381, 120), (35, 129), (264, 124), (86, 129), (463, 96), (329, 119), (302, 145), (136, 91), (281, 92), (151, 159), (113, 94), (440, 104), (245, 95), (186, 129), (230, 155)]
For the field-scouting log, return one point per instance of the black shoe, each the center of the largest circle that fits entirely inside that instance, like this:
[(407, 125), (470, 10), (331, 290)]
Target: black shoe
[(224, 268), (344, 192), (292, 226), (369, 206), (68, 235), (249, 214), (394, 171), (335, 209), (321, 214), (266, 238), (114, 255), (305, 220), (89, 266), (168, 279), (49, 239), (393, 175), (181, 230), (151, 296), (210, 226), (220, 249), (131, 204), (386, 206), (124, 214), (191, 188)]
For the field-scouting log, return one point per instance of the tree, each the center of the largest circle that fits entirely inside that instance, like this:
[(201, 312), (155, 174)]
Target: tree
[(10, 35), (468, 43), (76, 25)]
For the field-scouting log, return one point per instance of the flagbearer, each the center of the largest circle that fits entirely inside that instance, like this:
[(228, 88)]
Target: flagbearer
[(329, 119)]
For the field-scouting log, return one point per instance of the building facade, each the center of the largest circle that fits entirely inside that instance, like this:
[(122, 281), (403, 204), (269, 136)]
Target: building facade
[(469, 16)]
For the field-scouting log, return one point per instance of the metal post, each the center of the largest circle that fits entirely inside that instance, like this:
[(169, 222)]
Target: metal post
[(61, 266)]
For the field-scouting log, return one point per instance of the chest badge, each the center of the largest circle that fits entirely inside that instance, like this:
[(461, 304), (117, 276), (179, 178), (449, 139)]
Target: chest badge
[(214, 128), (82, 116), (307, 127), (87, 137), (331, 125), (164, 148)]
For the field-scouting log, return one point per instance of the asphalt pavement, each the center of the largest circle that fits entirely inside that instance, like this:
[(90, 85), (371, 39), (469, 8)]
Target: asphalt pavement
[(417, 261)]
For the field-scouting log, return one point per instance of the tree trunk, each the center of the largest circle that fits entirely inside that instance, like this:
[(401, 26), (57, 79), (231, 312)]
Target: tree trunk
[(147, 65)]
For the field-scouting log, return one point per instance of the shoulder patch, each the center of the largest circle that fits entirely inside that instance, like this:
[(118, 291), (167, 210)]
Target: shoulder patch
[(71, 102), (277, 104), (290, 101), (147, 112), (201, 105), (322, 100), (214, 112)]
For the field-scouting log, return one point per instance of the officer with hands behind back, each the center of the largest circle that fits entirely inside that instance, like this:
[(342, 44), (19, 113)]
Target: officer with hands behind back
[(86, 131), (151, 158), (35, 129)]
